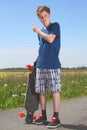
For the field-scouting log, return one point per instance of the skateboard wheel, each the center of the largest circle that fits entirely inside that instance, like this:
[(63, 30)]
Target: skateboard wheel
[(34, 116), (21, 114), (28, 67)]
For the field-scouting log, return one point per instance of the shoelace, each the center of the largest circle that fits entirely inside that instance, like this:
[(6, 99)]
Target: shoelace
[(53, 119)]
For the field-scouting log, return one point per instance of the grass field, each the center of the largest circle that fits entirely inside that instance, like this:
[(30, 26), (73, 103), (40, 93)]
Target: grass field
[(13, 86)]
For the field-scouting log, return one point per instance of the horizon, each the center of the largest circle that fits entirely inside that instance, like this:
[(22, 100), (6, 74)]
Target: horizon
[(24, 68)]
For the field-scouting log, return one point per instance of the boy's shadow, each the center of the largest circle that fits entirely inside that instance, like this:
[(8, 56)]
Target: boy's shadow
[(74, 127)]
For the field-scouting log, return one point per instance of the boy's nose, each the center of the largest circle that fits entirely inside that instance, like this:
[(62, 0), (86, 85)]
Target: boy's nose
[(44, 19)]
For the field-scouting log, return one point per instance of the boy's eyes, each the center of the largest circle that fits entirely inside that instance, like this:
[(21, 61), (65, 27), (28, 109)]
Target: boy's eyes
[(43, 16)]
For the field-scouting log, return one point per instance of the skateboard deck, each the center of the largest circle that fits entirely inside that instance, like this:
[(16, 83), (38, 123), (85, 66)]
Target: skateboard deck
[(32, 98)]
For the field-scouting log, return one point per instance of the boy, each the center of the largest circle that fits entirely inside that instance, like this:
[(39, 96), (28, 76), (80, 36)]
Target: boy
[(48, 65)]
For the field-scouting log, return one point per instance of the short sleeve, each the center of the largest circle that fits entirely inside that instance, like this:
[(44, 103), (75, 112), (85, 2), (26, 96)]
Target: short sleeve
[(55, 29)]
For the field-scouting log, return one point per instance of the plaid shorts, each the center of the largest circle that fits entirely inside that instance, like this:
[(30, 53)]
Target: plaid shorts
[(48, 78)]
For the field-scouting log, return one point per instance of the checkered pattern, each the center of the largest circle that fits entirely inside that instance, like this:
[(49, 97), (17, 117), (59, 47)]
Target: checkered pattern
[(48, 78)]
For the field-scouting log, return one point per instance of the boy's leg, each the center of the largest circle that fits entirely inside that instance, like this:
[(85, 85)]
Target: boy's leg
[(56, 101), (55, 122), (43, 101), (42, 118), (40, 88), (55, 86), (54, 82)]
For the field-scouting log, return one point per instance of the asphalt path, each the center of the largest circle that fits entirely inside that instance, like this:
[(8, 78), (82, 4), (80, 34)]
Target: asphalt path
[(73, 115)]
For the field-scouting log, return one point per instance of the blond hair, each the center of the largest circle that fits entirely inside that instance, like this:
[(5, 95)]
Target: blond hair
[(40, 9)]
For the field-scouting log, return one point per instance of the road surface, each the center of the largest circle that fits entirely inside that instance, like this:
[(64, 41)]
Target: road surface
[(73, 115)]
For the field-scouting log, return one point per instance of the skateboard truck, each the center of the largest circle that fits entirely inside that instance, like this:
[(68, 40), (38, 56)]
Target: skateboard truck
[(29, 117)]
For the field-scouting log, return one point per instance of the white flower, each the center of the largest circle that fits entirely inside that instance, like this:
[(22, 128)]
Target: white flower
[(19, 85), (14, 95), (5, 85), (23, 94), (24, 84)]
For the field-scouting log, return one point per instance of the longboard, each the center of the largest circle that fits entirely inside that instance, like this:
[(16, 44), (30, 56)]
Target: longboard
[(32, 98)]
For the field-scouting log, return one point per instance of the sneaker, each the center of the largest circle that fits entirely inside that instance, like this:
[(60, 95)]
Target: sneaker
[(54, 123), (40, 120), (29, 118)]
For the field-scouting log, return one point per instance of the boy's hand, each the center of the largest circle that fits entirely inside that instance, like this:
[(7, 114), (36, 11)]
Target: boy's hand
[(35, 28)]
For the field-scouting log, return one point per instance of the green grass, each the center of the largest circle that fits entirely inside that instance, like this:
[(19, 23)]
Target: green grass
[(74, 84), (13, 86)]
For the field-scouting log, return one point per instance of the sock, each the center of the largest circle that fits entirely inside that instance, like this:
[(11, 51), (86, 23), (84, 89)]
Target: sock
[(56, 114), (44, 113)]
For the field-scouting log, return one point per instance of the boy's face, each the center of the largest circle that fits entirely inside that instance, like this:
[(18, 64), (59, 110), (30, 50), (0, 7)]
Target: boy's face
[(45, 18)]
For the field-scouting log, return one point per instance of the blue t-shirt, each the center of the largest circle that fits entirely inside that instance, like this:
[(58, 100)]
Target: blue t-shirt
[(49, 52)]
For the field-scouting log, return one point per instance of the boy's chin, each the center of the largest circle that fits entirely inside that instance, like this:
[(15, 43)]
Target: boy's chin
[(46, 25)]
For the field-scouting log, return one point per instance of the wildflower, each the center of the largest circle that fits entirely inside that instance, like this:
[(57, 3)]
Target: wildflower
[(14, 95), (24, 84), (5, 85), (23, 94), (19, 85)]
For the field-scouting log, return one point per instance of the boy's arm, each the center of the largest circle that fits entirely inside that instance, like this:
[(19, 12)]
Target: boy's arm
[(48, 37)]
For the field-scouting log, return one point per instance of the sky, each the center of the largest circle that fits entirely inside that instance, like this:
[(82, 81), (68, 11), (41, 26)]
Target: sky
[(19, 44)]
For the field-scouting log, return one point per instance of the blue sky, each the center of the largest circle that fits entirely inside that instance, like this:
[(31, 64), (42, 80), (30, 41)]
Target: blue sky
[(19, 44)]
